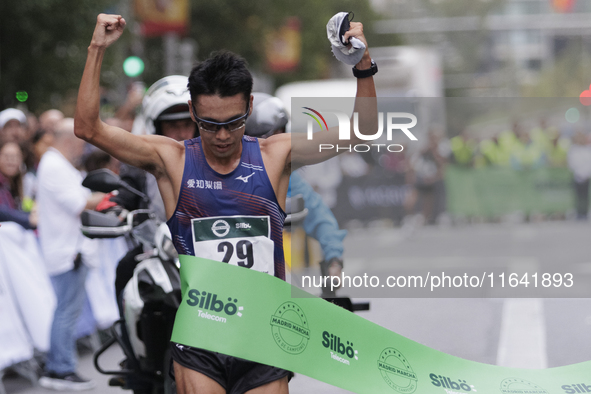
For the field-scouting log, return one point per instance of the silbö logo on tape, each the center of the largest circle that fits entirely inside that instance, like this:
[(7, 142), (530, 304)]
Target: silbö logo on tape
[(208, 302), (345, 131), (450, 385), (339, 348), (574, 388), (289, 327)]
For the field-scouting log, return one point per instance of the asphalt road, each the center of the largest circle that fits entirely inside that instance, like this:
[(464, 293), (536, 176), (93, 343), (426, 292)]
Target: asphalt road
[(525, 332)]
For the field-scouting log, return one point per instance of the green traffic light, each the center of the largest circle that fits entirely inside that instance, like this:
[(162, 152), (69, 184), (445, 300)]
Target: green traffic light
[(22, 96), (133, 66)]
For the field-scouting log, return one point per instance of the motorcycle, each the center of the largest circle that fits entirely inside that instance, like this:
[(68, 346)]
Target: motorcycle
[(150, 299)]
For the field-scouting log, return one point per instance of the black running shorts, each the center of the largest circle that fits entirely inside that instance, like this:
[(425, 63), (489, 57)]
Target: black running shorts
[(234, 374)]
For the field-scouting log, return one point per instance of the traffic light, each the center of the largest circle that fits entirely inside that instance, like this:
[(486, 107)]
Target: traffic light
[(133, 66), (22, 96)]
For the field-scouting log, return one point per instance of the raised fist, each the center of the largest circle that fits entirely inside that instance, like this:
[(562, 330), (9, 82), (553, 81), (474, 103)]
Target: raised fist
[(108, 29)]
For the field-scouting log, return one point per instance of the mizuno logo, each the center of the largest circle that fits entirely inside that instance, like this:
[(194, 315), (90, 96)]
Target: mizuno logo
[(244, 178)]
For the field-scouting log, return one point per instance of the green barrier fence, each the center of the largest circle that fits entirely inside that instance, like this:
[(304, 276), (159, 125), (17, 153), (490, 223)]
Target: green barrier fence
[(493, 192), (256, 316)]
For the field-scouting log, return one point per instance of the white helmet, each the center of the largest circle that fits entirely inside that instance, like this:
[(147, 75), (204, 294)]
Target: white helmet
[(166, 99), (268, 115)]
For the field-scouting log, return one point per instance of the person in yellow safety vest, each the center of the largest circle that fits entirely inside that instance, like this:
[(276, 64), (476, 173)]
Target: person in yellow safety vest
[(558, 153), (496, 151), (543, 134), (507, 142), (555, 146), (491, 152), (463, 148), (526, 154)]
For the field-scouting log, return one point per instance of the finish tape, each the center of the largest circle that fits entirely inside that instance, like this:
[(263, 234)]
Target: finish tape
[(251, 315)]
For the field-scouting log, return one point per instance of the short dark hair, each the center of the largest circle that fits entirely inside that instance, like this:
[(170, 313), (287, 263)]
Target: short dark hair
[(224, 74)]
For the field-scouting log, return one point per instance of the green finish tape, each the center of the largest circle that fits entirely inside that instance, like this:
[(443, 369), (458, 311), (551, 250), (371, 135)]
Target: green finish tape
[(248, 314)]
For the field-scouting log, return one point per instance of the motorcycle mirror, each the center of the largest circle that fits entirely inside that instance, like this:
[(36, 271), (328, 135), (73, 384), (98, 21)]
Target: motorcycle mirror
[(102, 180), (105, 181)]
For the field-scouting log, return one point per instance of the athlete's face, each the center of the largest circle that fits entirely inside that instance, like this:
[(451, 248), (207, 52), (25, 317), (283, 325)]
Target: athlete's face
[(222, 143)]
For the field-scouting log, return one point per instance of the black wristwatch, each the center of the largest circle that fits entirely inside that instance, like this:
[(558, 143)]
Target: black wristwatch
[(366, 73)]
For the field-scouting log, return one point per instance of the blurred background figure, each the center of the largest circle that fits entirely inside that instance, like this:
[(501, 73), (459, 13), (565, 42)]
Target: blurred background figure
[(558, 149), (126, 113), (428, 167), (579, 162), (527, 153), (165, 111), (49, 119), (11, 187), (13, 125), (463, 149), (61, 199)]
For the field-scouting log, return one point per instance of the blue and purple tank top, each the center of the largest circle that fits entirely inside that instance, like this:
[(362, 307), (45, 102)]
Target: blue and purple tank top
[(234, 217)]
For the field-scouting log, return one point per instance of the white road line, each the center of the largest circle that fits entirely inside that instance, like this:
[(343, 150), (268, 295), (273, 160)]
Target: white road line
[(522, 342)]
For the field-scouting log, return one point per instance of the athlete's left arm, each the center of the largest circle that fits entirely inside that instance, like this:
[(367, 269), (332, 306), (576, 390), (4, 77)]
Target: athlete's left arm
[(305, 152), (275, 151)]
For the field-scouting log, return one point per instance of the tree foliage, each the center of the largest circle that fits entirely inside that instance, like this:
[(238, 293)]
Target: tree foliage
[(43, 48), (43, 42), (568, 76), (241, 26)]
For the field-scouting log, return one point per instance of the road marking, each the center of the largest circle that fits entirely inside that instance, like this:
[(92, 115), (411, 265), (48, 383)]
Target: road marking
[(522, 342)]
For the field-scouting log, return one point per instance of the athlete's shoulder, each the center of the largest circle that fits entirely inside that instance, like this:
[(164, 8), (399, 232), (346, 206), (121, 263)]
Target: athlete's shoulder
[(277, 140), (192, 141)]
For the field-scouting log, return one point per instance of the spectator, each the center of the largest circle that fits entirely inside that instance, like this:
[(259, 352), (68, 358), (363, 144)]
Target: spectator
[(579, 162), (32, 125), (61, 199), (49, 119), (11, 187), (13, 125), (127, 111), (558, 151), (463, 148), (526, 153), (428, 168)]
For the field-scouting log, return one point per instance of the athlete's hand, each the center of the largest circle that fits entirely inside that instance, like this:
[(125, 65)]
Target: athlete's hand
[(356, 30), (108, 29)]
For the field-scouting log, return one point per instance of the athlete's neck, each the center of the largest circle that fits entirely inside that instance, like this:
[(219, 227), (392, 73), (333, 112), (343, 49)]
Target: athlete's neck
[(223, 162)]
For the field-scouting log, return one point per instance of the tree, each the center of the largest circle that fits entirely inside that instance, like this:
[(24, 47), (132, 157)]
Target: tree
[(241, 26), (43, 42), (43, 49)]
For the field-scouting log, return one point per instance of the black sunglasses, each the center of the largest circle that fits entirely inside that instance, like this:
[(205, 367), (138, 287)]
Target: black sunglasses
[(214, 127)]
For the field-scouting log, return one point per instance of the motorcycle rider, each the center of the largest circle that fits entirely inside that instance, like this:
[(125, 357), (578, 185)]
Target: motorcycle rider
[(165, 111), (269, 117)]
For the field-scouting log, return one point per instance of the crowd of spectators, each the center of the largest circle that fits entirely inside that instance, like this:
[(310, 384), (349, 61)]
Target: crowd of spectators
[(517, 147), (42, 165), (413, 185)]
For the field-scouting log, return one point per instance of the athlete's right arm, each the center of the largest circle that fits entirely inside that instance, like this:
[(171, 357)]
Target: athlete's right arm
[(146, 152)]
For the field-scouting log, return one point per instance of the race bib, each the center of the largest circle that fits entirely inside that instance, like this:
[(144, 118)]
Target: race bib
[(238, 240)]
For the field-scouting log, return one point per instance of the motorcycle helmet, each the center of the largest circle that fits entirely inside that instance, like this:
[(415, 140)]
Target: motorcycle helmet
[(268, 115), (166, 99)]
